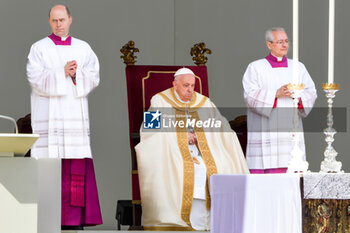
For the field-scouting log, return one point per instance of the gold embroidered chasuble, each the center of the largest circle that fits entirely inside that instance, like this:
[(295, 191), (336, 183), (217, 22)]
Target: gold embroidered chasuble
[(165, 165)]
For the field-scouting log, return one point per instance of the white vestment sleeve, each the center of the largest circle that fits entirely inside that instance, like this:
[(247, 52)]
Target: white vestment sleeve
[(260, 100), (44, 81), (88, 74), (229, 142), (309, 95)]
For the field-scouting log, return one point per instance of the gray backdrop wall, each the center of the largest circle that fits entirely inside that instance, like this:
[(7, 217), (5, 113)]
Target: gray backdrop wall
[(164, 31)]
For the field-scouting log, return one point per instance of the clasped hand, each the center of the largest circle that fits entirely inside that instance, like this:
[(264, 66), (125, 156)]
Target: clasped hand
[(70, 69), (192, 139)]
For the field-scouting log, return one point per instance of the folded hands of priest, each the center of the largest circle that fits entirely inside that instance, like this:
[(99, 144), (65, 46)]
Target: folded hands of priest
[(70, 68)]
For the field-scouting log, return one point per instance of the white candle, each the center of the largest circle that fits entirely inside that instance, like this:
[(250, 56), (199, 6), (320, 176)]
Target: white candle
[(331, 41), (295, 79)]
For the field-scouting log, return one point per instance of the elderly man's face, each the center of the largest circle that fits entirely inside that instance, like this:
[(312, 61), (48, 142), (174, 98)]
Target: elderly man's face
[(60, 21), (280, 44), (184, 86)]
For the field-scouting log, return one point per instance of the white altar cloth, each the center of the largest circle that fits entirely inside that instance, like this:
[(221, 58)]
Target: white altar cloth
[(268, 203), (327, 185)]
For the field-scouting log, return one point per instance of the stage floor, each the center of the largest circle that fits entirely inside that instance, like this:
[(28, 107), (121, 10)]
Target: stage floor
[(124, 231)]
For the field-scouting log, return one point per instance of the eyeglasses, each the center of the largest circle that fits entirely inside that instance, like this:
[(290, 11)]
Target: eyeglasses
[(280, 42)]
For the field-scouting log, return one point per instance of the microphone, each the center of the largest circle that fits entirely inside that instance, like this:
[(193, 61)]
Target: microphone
[(11, 119)]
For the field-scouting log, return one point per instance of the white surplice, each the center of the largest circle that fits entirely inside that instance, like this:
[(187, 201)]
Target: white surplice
[(269, 129), (60, 108)]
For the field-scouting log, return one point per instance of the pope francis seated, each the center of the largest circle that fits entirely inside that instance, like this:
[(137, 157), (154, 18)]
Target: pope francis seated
[(176, 161)]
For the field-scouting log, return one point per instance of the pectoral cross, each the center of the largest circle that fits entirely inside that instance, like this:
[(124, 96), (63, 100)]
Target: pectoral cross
[(195, 160)]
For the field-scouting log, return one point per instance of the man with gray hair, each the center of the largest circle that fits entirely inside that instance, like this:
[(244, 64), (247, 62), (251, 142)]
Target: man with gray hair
[(270, 103), (175, 163)]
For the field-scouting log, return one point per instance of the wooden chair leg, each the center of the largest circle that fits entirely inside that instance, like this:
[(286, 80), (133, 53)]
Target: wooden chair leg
[(137, 212)]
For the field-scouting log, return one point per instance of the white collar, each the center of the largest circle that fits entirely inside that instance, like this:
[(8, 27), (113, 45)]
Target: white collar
[(278, 58)]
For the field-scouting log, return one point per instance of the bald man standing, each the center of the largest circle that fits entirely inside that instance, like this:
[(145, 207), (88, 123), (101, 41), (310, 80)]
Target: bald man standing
[(62, 71)]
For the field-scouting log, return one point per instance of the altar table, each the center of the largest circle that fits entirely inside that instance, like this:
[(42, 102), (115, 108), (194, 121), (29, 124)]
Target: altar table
[(268, 203)]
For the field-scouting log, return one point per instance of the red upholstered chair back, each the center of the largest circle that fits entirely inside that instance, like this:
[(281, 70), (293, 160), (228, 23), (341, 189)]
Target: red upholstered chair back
[(142, 83), (145, 81)]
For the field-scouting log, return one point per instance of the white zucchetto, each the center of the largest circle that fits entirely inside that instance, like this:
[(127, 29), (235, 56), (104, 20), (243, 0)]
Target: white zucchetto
[(183, 71)]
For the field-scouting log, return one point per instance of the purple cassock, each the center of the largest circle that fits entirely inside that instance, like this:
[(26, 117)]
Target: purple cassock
[(80, 202), (80, 205)]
